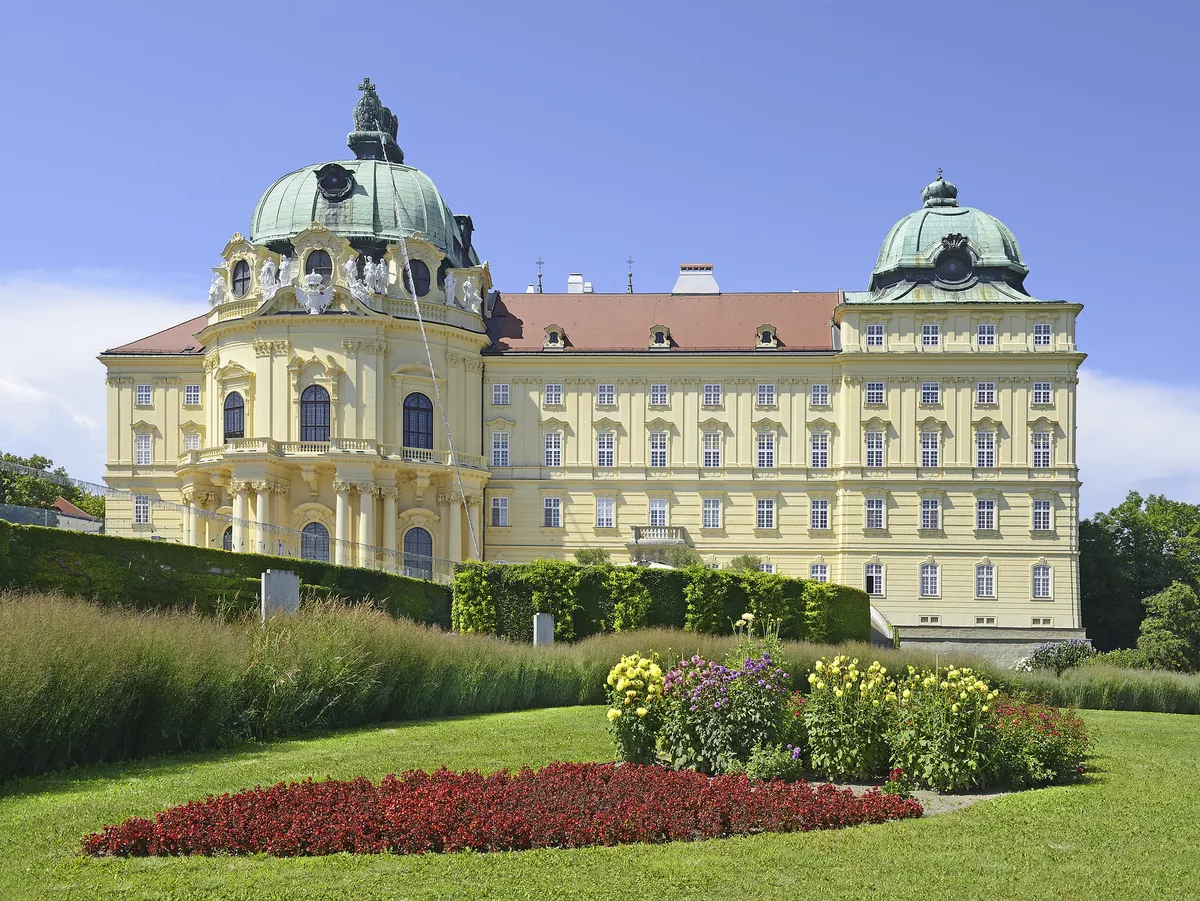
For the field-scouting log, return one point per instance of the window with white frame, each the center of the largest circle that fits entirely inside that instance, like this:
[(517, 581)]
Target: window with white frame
[(1041, 334), (764, 513), (658, 395), (500, 448), (143, 394), (820, 450), (1041, 392), (875, 334), (929, 580), (553, 395), (766, 395), (985, 620), (930, 449), (874, 450), (931, 393), (819, 572), (658, 450), (191, 395), (985, 450), (985, 581), (766, 450), (875, 392), (1041, 450), (604, 512), (931, 334), (985, 334), (711, 513), (499, 511), (500, 395), (606, 443), (712, 395), (191, 441), (818, 517), (1041, 515), (141, 450), (929, 619), (985, 515), (820, 395), (874, 513), (712, 450), (141, 509), (606, 395), (985, 393), (658, 512), (552, 512), (1041, 581), (1041, 621), (765, 567), (873, 576), (553, 449), (931, 514)]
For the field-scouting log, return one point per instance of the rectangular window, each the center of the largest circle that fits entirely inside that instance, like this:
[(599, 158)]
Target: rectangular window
[(1041, 334), (1041, 392), (141, 509), (930, 449), (554, 448), (1041, 621), (658, 450), (712, 395), (985, 450), (658, 395), (931, 335), (605, 448), (191, 441), (874, 450), (985, 336), (766, 450), (929, 580), (985, 515), (819, 572), (766, 395), (820, 395), (820, 450), (874, 513), (499, 511), (191, 395), (764, 516), (985, 393), (931, 393), (818, 517), (143, 396), (874, 578), (931, 514), (553, 395), (985, 620), (658, 512), (985, 581), (552, 512), (712, 513), (606, 395), (929, 619), (1041, 516), (712, 449), (764, 567), (1041, 581), (500, 448), (875, 335), (141, 453), (1041, 450), (500, 395), (604, 512), (874, 392)]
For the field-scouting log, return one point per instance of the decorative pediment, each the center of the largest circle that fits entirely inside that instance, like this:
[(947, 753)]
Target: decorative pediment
[(500, 424), (658, 424), (660, 337), (766, 336), (712, 424), (931, 424), (877, 424), (821, 424), (417, 516), (305, 513), (191, 427), (987, 424), (143, 427), (232, 370), (1043, 424), (555, 337), (416, 372), (766, 424), (554, 424), (608, 425)]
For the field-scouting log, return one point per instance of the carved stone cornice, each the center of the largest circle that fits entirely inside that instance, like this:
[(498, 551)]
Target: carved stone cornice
[(473, 364), (166, 380), (272, 348), (116, 380), (281, 488)]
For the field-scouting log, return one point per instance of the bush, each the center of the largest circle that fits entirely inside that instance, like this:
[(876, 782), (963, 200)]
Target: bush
[(592, 556), (636, 707), (1059, 656), (1036, 744), (1121, 658), (847, 719), (775, 762)]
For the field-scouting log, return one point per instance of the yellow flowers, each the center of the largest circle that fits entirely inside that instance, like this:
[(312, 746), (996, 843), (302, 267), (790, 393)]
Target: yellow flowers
[(907, 694), (820, 685), (641, 711), (614, 715)]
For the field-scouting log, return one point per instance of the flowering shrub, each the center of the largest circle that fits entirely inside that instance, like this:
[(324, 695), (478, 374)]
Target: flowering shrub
[(898, 783), (564, 805), (785, 762), (635, 715), (847, 719), (1058, 656), (1037, 744)]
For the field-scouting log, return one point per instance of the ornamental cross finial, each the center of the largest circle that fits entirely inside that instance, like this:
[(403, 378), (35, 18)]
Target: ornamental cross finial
[(367, 86), (939, 175)]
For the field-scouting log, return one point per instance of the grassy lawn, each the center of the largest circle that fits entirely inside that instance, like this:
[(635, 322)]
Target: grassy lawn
[(1132, 831)]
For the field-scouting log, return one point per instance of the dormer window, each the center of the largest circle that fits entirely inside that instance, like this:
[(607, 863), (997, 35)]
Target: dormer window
[(555, 338), (660, 337), (320, 262), (766, 336), (241, 278)]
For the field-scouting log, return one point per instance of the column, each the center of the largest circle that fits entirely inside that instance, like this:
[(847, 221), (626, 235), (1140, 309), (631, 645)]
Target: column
[(366, 525), (389, 526), (280, 517), (474, 511), (262, 514), (240, 503), (195, 536), (455, 550), (341, 527)]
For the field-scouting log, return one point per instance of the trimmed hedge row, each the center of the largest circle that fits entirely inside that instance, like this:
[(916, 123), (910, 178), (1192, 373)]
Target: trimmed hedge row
[(500, 599), (134, 572)]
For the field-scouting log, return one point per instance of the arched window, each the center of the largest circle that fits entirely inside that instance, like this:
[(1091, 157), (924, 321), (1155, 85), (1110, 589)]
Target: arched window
[(235, 416), (241, 278), (418, 554), (314, 414), (314, 542), (227, 539), (418, 421), (318, 261), (419, 273)]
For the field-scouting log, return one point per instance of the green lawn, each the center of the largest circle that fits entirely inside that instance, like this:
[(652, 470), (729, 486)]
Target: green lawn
[(1131, 832)]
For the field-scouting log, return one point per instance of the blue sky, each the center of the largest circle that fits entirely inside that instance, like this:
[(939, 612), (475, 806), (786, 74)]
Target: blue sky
[(779, 141)]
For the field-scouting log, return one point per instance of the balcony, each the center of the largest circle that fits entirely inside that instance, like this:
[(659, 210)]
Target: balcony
[(237, 447), (650, 542)]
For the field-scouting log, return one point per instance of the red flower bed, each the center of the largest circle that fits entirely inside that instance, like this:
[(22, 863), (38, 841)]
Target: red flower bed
[(564, 805)]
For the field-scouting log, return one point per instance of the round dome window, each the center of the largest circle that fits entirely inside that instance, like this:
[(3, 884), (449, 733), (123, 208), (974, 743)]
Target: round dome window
[(953, 267), (334, 182), (419, 273)]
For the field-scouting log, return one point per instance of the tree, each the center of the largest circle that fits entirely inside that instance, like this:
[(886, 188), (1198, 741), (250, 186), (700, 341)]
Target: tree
[(29, 490), (745, 563), (592, 556), (1170, 633), (681, 556)]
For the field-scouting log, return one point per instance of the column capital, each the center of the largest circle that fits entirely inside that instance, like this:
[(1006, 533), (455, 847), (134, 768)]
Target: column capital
[(341, 487), (475, 500), (282, 488), (262, 487), (389, 492), (366, 488), (237, 486), (447, 498)]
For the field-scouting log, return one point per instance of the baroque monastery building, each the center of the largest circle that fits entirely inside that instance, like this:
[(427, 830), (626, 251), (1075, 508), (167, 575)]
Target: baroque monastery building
[(916, 439)]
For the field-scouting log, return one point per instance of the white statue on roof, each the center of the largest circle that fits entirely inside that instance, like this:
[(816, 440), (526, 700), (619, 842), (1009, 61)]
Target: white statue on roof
[(313, 295), (449, 283), (216, 291), (358, 289), (375, 276), (471, 298), (267, 279), (285, 271)]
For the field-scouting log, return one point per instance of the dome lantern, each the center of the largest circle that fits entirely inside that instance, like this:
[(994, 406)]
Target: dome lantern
[(940, 193)]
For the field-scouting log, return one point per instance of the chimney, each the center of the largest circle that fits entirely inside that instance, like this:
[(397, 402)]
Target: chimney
[(575, 283), (529, 290), (696, 278), (587, 287)]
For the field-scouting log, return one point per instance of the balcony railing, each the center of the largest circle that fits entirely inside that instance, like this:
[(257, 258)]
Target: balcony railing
[(659, 535), (240, 446)]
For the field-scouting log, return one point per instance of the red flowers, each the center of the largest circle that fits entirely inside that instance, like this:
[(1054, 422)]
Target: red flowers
[(564, 805)]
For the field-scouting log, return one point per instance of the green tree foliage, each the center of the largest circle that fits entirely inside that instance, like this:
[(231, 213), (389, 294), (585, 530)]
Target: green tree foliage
[(681, 556), (25, 490), (746, 563), (1170, 636), (592, 556)]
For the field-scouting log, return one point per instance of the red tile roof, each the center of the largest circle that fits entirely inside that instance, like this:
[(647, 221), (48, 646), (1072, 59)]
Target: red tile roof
[(607, 322), (66, 508), (178, 339)]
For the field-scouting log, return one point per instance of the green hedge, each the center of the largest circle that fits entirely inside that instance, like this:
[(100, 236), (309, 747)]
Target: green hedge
[(500, 599), (134, 572)]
